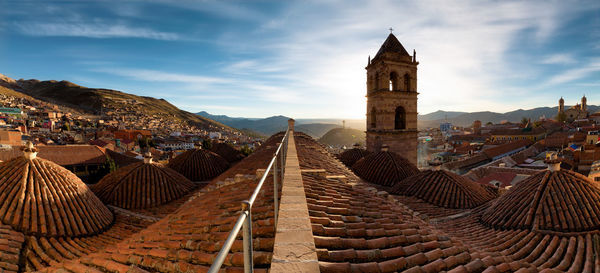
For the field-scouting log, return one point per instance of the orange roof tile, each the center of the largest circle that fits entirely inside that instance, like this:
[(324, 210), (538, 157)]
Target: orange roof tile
[(562, 201), (359, 229), (199, 164), (444, 189), (64, 155), (39, 197), (349, 157), (384, 168), (142, 185), (226, 151)]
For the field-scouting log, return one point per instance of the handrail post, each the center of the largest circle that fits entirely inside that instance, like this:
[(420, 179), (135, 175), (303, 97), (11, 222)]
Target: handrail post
[(247, 234), (275, 190)]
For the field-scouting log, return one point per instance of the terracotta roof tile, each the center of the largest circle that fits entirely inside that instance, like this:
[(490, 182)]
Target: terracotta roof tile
[(226, 151), (562, 201), (64, 155), (199, 164), (359, 229), (142, 185), (384, 168), (349, 157), (51, 202), (443, 189), (189, 239)]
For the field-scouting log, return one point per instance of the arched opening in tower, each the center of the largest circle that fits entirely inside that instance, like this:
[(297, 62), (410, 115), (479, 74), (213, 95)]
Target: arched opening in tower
[(406, 82), (393, 85), (400, 119)]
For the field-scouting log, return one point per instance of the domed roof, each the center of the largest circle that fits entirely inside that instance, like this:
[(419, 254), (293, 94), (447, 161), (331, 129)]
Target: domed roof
[(384, 168), (39, 197), (199, 164), (349, 157), (226, 151), (562, 201), (443, 189), (142, 185)]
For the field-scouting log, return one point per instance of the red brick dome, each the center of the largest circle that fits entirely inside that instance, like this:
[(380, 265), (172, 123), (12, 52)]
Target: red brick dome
[(443, 189), (384, 168), (199, 164), (226, 151), (349, 157), (39, 197), (142, 185), (562, 201)]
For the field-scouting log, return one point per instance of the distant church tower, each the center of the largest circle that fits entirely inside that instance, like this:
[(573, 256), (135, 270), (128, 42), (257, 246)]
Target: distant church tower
[(561, 105), (392, 100), (584, 104)]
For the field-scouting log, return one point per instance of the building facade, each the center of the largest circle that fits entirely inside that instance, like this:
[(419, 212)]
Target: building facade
[(392, 100), (577, 111)]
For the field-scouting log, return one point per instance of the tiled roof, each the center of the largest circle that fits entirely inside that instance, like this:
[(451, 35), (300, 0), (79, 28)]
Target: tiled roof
[(142, 185), (199, 164), (504, 178), (120, 159), (189, 239), (359, 229), (226, 151), (561, 201), (39, 197), (506, 148), (391, 44), (349, 157), (443, 189), (384, 168), (64, 155), (467, 162)]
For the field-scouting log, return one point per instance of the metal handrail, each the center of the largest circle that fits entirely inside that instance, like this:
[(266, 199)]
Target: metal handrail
[(244, 221)]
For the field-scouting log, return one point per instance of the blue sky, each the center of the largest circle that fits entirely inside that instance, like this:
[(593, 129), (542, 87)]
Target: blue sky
[(306, 59)]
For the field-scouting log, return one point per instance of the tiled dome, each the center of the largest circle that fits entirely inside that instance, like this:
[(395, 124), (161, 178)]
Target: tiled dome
[(443, 189), (349, 157), (226, 151), (199, 164), (39, 197), (142, 185), (384, 168), (562, 201)]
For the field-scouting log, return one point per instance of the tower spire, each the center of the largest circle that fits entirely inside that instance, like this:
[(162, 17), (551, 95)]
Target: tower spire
[(391, 30)]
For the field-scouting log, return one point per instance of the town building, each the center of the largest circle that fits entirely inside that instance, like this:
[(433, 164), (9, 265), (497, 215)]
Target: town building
[(575, 112), (392, 100)]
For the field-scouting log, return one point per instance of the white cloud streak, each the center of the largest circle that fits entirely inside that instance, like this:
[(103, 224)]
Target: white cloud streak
[(93, 31)]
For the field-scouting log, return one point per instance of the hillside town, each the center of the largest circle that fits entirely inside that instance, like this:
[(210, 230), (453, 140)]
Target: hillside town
[(122, 131), (516, 150)]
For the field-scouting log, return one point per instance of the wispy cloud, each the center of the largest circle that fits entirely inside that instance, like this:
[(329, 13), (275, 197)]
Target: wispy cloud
[(159, 76), (93, 31), (577, 73), (558, 59)]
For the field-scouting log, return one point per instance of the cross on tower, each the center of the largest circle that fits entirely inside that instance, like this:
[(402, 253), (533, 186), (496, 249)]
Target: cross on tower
[(391, 29)]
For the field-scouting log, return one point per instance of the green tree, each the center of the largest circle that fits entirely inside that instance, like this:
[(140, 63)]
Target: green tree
[(524, 121), (489, 123), (207, 144), (246, 151)]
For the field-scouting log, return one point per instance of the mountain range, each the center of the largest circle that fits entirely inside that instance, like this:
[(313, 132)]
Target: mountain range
[(466, 119)]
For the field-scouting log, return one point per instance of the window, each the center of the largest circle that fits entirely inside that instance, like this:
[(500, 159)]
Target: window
[(373, 118), (406, 82), (393, 81), (400, 119), (377, 81)]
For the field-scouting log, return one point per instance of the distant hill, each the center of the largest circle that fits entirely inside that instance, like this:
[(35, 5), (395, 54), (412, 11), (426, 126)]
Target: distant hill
[(466, 119), (343, 137), (268, 126), (93, 100)]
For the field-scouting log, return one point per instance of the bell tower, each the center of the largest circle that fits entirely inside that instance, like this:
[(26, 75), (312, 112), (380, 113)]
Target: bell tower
[(392, 100)]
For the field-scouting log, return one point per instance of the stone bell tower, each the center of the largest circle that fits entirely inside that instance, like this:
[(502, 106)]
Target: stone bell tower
[(392, 100)]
